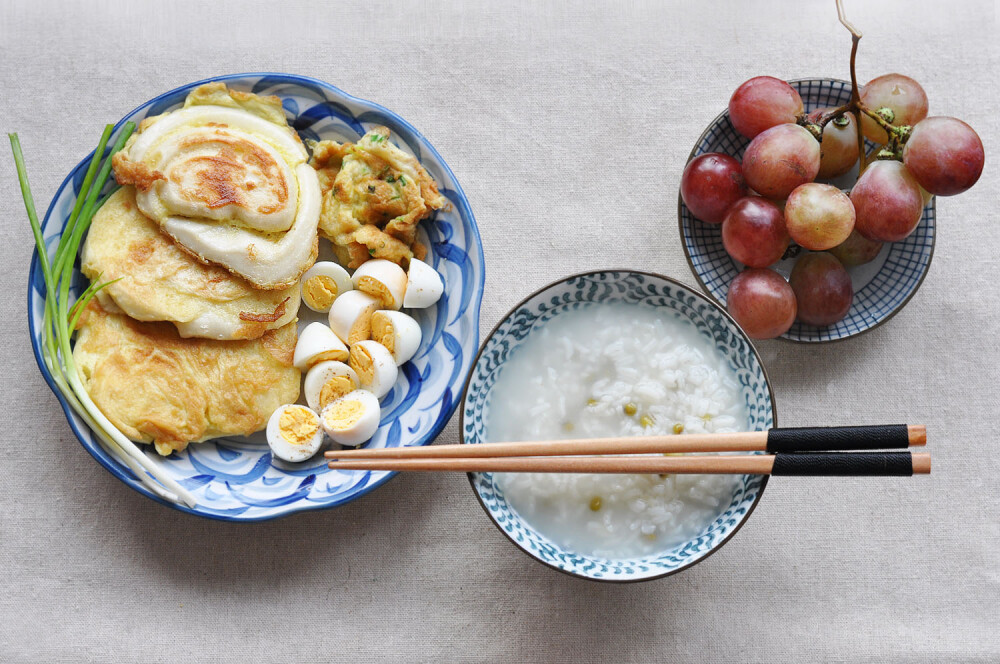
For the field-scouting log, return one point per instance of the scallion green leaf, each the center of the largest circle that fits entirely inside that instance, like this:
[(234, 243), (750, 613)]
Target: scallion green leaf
[(60, 317)]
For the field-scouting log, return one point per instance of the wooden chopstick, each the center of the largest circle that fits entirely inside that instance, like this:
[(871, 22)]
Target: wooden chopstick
[(814, 439), (784, 463)]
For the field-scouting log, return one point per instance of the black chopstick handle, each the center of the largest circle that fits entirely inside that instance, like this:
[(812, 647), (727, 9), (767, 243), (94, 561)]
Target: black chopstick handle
[(823, 439), (843, 464)]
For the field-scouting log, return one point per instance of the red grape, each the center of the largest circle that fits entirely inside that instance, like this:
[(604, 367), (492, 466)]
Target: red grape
[(839, 148), (711, 183), (856, 250), (762, 303), (780, 159), (887, 202), (926, 195), (754, 232), (819, 216), (902, 94), (944, 155), (822, 289), (761, 103)]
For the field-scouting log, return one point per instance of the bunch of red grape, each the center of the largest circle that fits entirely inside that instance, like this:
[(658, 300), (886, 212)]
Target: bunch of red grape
[(772, 199)]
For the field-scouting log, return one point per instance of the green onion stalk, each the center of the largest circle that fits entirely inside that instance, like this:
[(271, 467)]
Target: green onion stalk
[(62, 314)]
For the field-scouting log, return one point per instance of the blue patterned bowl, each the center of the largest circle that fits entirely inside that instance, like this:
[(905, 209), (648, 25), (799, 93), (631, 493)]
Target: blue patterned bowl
[(881, 288), (235, 478), (648, 290)]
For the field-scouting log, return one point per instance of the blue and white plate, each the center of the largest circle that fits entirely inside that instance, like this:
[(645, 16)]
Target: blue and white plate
[(647, 290), (881, 288), (235, 478)]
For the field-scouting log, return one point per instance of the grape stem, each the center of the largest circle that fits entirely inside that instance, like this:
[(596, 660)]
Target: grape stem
[(855, 102), (847, 24), (897, 135), (892, 130), (833, 115)]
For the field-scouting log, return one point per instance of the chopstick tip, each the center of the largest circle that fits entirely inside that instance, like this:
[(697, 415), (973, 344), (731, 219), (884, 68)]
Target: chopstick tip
[(917, 434)]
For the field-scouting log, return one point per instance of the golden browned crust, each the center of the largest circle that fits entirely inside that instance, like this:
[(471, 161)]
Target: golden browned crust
[(278, 312), (220, 178), (327, 157), (158, 387), (219, 94), (155, 278), (377, 197), (134, 173)]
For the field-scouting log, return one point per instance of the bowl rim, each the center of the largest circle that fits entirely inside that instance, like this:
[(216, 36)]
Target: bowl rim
[(673, 282), (687, 255), (475, 310)]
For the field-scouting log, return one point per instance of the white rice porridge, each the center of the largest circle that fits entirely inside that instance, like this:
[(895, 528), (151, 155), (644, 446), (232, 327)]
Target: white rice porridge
[(615, 370)]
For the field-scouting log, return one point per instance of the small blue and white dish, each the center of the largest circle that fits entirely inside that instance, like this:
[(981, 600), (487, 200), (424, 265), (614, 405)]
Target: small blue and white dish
[(236, 479), (647, 290), (881, 288)]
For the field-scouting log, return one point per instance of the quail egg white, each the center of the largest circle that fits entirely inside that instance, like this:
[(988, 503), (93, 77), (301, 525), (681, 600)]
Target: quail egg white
[(317, 343), (398, 332), (374, 366), (383, 280), (294, 433), (351, 316), (352, 419), (423, 285), (328, 381), (322, 283)]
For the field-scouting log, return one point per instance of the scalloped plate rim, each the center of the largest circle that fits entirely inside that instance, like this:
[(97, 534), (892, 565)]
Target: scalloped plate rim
[(133, 483)]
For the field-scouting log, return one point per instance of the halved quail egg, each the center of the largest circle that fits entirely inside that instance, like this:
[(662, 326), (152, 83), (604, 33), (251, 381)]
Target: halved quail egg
[(374, 366), (328, 381), (323, 283), (423, 285), (317, 343), (383, 280), (294, 433), (351, 314), (399, 333), (352, 419)]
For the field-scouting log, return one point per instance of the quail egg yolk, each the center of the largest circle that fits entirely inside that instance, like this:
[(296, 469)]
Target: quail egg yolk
[(335, 388), (319, 291), (361, 362), (383, 333), (343, 415), (376, 289), (335, 355), (296, 426)]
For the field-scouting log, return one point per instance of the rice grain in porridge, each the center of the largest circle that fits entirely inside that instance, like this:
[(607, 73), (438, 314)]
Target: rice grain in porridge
[(615, 370)]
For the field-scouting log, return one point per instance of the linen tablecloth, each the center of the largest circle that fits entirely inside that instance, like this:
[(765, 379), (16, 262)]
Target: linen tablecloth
[(568, 125)]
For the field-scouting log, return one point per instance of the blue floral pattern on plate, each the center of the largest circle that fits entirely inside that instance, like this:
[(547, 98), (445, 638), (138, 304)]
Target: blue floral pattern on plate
[(235, 478), (647, 290), (881, 288)]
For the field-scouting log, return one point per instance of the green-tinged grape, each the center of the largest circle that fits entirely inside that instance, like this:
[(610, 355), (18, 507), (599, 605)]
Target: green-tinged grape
[(839, 148), (904, 97), (819, 216)]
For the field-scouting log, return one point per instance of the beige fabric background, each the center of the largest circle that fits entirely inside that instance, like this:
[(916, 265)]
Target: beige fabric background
[(568, 127)]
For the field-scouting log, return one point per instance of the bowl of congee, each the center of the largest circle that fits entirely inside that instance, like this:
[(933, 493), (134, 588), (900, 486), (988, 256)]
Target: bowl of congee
[(616, 353)]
